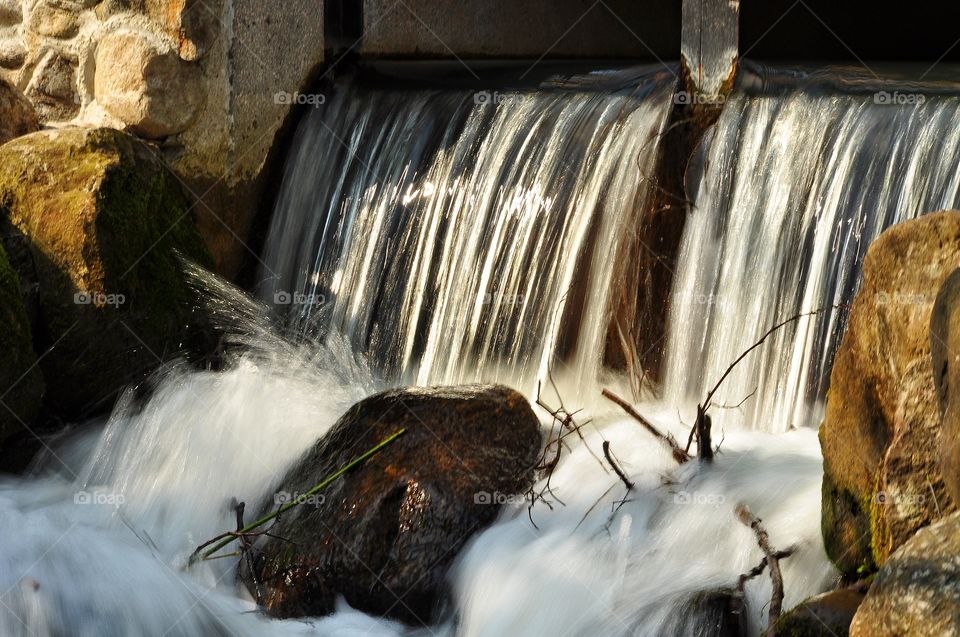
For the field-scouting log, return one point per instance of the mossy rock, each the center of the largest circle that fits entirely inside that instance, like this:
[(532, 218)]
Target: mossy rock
[(103, 221), (825, 615), (21, 384), (881, 434)]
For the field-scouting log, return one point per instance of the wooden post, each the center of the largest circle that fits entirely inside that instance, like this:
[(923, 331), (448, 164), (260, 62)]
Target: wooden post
[(708, 49)]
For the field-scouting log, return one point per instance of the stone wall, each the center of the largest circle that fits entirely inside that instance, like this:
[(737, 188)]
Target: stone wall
[(208, 80)]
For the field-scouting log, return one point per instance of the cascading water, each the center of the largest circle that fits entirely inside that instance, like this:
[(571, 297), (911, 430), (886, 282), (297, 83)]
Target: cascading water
[(419, 216), (798, 181), (443, 231)]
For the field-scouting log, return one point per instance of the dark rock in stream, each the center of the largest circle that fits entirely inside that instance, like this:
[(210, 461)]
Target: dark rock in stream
[(710, 613), (384, 535)]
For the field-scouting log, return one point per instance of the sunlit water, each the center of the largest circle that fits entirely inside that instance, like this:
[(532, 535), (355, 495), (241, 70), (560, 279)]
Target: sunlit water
[(797, 183), (456, 235), (96, 542)]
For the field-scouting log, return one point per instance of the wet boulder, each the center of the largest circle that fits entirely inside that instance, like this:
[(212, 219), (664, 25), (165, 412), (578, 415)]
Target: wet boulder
[(917, 592), (384, 535), (881, 434), (95, 225)]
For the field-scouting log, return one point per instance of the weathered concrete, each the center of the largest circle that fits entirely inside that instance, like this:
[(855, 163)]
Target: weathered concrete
[(508, 29)]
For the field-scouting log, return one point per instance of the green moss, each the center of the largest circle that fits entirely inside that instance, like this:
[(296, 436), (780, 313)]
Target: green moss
[(104, 215), (845, 525)]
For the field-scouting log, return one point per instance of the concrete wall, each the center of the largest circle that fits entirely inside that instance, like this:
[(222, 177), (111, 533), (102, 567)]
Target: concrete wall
[(522, 29)]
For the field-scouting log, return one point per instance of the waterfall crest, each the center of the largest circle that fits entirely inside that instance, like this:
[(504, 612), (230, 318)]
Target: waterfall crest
[(456, 236), (797, 183)]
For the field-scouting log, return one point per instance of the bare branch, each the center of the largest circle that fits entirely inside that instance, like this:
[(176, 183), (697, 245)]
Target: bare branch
[(679, 454)]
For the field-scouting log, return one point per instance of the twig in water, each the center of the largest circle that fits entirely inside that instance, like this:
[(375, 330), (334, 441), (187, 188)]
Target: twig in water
[(623, 476), (772, 560), (679, 454), (701, 428)]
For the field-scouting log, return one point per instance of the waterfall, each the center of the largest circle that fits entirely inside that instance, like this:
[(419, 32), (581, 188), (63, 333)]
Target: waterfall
[(797, 182), (454, 236), (445, 235)]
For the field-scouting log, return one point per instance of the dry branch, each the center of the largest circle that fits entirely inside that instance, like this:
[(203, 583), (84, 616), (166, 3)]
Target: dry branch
[(616, 468), (701, 427), (679, 454), (771, 559)]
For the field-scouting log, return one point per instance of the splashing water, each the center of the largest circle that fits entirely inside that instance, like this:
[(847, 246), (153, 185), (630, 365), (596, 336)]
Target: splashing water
[(797, 185), (441, 210)]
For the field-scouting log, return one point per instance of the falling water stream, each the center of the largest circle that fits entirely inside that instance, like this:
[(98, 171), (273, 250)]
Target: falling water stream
[(797, 183), (441, 235)]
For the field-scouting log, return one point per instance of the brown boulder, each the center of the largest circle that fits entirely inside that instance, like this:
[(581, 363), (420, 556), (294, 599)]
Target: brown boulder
[(917, 592), (153, 92), (881, 432), (384, 535), (945, 346), (96, 223), (17, 116)]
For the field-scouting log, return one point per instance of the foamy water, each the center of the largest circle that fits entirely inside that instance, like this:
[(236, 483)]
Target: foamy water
[(99, 544)]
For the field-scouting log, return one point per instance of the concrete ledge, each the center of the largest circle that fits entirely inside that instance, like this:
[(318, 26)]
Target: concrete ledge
[(644, 29)]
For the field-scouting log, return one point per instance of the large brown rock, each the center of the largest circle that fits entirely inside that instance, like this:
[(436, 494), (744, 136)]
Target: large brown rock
[(881, 432), (917, 592), (945, 346), (154, 92), (384, 535), (99, 222), (17, 115)]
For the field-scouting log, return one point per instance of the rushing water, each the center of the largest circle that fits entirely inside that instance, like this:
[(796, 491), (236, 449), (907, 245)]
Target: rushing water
[(797, 183), (432, 236), (443, 232)]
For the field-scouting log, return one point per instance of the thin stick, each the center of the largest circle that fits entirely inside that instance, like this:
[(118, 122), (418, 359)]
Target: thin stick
[(763, 338), (231, 535), (679, 454), (772, 561), (623, 476)]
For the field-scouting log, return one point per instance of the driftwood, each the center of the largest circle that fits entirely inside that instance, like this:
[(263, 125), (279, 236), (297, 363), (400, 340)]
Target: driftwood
[(771, 560), (679, 454)]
